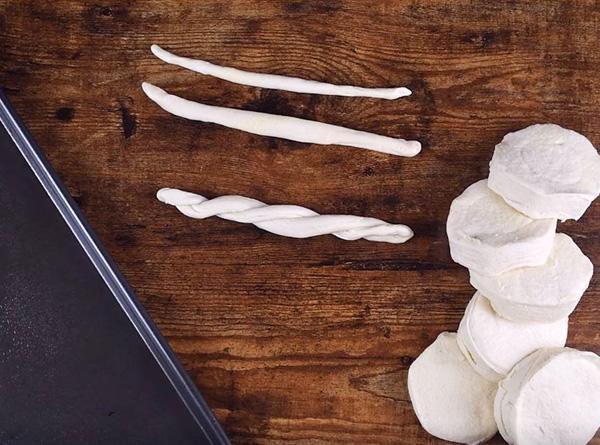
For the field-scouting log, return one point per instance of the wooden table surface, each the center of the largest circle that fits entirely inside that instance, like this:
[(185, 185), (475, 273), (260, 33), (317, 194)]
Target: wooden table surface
[(300, 341)]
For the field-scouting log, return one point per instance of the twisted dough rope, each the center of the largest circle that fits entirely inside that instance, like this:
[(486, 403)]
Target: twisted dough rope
[(285, 127), (277, 82), (286, 220)]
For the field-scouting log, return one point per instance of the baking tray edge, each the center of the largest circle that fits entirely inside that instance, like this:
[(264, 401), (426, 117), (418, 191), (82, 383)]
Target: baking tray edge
[(107, 269)]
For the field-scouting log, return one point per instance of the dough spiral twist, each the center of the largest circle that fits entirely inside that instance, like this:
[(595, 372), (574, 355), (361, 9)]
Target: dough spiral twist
[(285, 220)]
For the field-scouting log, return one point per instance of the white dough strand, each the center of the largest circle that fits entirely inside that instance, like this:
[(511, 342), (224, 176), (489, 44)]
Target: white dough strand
[(286, 220), (276, 82), (284, 127)]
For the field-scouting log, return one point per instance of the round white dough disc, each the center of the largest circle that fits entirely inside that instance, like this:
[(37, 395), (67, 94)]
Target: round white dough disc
[(490, 237), (540, 293), (493, 345), (450, 399), (550, 397), (546, 171)]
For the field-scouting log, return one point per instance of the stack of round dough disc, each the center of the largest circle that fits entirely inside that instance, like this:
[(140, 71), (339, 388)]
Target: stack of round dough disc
[(550, 397), (489, 236), (528, 279), (493, 344), (450, 399), (546, 171), (544, 293)]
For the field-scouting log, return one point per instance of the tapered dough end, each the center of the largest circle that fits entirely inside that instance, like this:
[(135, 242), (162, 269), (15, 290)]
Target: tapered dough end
[(397, 234), (153, 92), (178, 197), (400, 92), (164, 195), (405, 231), (409, 148), (161, 53), (451, 401)]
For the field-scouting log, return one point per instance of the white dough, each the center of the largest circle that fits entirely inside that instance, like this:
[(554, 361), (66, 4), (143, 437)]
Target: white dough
[(493, 345), (275, 81), (286, 127), (552, 397), (490, 237), (546, 171), (285, 220), (450, 399), (540, 293)]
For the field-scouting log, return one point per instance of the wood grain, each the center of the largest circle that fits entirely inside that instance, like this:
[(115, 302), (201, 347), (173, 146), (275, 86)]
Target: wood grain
[(299, 341)]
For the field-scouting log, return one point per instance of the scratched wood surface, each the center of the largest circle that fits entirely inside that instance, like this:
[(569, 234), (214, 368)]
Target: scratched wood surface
[(299, 341)]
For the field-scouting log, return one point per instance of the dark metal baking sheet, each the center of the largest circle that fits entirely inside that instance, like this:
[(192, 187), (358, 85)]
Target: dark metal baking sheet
[(80, 360)]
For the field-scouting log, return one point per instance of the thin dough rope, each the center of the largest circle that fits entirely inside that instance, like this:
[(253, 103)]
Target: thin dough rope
[(285, 220), (277, 82), (285, 127)]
